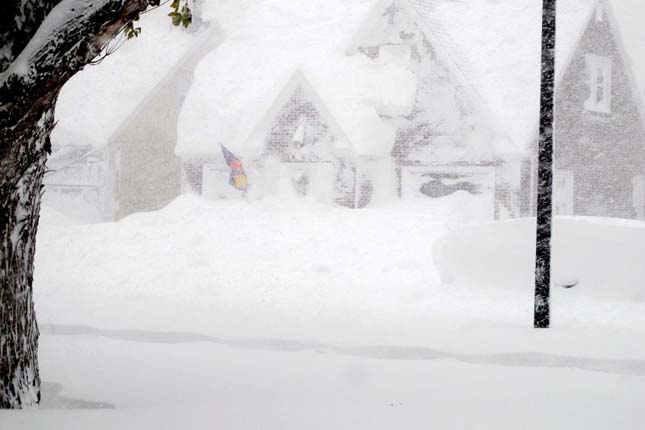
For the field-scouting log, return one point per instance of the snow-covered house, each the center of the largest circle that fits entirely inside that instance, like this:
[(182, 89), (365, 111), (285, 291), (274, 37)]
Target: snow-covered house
[(420, 98), (126, 110), (449, 141), (599, 138), (357, 102), (308, 120), (390, 111), (296, 147)]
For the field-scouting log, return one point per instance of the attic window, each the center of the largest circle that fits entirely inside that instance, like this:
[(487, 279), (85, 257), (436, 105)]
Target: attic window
[(599, 13), (599, 82)]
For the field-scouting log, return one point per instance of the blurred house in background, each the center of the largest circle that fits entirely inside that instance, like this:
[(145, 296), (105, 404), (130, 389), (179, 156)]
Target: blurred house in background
[(302, 116), (119, 159), (449, 146), (431, 100), (599, 158), (148, 172), (297, 147), (387, 113)]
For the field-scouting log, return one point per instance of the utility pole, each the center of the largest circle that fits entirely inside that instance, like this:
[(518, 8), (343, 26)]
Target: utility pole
[(541, 315)]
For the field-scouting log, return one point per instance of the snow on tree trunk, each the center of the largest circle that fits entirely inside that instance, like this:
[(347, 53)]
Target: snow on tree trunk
[(47, 43), (541, 318), (20, 191)]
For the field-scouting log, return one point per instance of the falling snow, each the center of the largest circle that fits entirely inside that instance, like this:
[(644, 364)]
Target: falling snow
[(379, 269)]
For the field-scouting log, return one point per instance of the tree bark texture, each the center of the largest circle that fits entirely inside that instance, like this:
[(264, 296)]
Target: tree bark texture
[(541, 316), (27, 100)]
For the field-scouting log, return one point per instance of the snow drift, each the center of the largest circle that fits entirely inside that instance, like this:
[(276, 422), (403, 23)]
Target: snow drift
[(603, 258)]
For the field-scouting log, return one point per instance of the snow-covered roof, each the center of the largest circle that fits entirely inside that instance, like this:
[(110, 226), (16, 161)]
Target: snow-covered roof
[(393, 22), (238, 84), (497, 45), (96, 101)]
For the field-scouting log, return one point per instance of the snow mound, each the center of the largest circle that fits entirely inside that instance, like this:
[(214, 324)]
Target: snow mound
[(601, 258), (283, 268)]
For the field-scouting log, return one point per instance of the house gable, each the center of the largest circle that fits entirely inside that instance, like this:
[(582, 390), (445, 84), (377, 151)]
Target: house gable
[(599, 127), (599, 37), (448, 122), (598, 107), (299, 127)]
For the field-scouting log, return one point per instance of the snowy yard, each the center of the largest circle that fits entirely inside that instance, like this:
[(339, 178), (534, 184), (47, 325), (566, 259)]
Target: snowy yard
[(272, 314)]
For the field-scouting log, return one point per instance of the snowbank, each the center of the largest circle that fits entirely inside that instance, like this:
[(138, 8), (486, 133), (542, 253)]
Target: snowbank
[(603, 258), (294, 268), (60, 208), (273, 263), (50, 216)]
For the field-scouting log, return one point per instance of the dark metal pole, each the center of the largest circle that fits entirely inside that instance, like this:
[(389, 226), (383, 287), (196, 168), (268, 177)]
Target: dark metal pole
[(541, 316)]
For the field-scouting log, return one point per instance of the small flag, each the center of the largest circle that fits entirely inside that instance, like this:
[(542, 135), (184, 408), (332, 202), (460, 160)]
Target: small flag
[(238, 177)]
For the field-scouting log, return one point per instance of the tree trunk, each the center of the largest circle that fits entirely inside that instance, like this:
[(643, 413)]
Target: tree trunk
[(20, 191), (65, 42), (541, 315)]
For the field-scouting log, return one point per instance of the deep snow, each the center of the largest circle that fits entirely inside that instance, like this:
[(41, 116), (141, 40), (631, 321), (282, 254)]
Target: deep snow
[(289, 314), (287, 266)]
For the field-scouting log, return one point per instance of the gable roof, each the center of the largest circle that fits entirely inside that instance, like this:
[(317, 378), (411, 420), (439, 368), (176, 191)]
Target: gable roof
[(298, 80), (99, 99), (631, 67), (504, 66), (206, 40), (368, 35)]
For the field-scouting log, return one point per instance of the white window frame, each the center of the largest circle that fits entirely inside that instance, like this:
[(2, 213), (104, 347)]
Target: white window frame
[(485, 174), (599, 83), (600, 12), (563, 192), (639, 196)]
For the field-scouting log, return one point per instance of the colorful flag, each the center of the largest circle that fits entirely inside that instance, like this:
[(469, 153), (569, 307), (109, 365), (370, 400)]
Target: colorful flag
[(238, 176)]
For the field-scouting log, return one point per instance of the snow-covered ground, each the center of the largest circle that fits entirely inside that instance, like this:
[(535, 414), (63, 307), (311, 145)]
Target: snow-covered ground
[(292, 314)]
